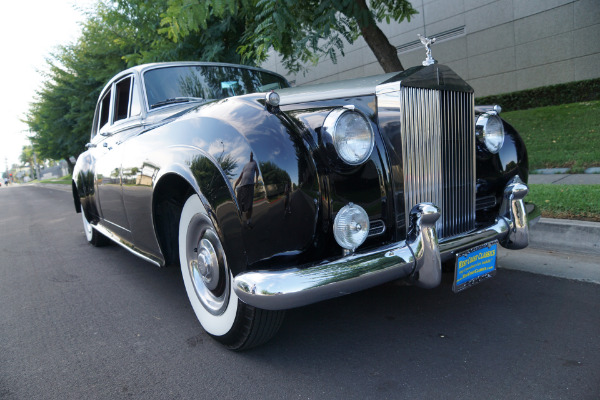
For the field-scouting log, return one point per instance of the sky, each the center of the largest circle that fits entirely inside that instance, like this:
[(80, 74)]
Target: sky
[(30, 31)]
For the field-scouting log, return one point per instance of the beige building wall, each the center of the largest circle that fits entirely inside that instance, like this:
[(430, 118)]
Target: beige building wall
[(498, 46)]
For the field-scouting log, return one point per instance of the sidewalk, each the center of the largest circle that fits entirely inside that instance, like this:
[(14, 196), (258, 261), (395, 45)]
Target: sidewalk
[(565, 179)]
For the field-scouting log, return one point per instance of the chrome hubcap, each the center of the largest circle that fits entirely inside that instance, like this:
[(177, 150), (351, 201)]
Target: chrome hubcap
[(207, 266)]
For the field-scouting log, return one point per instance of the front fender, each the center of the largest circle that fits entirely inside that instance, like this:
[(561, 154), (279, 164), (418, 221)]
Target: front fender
[(205, 176), (219, 139), (494, 171)]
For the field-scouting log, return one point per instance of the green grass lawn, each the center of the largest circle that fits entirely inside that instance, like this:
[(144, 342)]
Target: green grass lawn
[(560, 136), (65, 180), (567, 201)]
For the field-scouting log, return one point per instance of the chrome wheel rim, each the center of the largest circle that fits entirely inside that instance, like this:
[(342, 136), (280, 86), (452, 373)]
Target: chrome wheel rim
[(207, 266)]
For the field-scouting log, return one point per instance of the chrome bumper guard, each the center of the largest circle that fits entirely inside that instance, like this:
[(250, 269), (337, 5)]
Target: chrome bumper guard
[(418, 258)]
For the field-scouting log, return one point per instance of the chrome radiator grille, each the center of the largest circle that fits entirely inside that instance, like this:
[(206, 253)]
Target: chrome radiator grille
[(438, 153)]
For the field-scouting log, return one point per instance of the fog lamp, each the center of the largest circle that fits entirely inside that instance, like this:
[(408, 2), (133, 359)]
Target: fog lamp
[(351, 226)]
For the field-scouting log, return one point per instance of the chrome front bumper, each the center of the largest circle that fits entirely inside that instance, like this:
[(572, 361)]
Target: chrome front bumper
[(419, 257)]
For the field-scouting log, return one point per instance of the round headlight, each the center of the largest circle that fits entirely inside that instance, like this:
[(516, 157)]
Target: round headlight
[(351, 135), (490, 131), (351, 226)]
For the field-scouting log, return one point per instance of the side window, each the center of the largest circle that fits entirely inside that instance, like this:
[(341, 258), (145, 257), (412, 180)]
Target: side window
[(123, 89), (95, 123), (136, 104), (104, 110)]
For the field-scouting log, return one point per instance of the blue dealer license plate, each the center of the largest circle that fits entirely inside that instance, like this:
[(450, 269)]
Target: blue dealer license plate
[(475, 265)]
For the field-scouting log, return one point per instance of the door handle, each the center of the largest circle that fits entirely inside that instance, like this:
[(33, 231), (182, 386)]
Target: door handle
[(90, 145)]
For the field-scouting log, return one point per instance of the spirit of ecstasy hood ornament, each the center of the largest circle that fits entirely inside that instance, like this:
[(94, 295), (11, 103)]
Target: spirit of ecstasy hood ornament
[(427, 43)]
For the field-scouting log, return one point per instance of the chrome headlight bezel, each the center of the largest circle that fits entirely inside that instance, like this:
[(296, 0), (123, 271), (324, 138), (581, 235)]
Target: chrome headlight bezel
[(350, 133), (489, 130)]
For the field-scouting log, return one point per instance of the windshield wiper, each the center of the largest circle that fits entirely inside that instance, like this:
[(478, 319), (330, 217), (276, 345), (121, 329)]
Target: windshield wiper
[(175, 100)]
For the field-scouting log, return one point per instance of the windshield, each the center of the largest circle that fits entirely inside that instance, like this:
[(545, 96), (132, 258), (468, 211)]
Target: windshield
[(196, 82)]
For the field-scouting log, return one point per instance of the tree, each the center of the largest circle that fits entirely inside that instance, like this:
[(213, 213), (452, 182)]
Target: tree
[(302, 31), (60, 117), (29, 156), (139, 22), (26, 156), (116, 35)]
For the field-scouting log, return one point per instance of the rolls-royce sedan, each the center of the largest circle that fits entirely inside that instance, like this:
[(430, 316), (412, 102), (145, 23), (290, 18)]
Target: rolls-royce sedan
[(270, 197)]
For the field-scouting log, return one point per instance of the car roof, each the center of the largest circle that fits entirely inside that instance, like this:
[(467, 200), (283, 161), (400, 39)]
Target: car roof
[(145, 67), (140, 69)]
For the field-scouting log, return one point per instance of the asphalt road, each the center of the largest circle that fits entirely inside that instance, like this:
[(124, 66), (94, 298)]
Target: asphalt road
[(78, 322)]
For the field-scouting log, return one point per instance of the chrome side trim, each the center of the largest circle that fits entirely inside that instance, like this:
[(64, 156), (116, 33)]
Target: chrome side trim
[(419, 257), (128, 246)]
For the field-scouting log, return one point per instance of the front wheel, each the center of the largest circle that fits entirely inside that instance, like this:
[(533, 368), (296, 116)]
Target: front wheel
[(93, 237), (208, 283)]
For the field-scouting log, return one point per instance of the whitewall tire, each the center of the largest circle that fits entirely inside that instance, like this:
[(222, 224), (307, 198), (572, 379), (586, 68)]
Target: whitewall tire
[(208, 283)]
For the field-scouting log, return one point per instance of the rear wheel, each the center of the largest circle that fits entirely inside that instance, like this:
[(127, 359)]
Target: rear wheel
[(208, 283), (93, 237)]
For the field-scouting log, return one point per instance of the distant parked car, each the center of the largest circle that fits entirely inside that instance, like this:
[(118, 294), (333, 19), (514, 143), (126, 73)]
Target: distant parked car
[(270, 197)]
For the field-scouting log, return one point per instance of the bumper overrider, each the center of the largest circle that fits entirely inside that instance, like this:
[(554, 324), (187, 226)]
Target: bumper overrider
[(418, 258)]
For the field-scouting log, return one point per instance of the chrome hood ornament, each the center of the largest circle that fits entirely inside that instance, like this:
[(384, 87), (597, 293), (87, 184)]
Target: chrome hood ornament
[(427, 43)]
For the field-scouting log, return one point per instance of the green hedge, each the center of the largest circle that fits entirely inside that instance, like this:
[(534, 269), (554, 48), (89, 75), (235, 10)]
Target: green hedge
[(553, 95)]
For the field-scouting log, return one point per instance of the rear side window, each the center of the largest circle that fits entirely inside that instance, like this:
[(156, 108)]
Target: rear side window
[(104, 110), (123, 89), (136, 105)]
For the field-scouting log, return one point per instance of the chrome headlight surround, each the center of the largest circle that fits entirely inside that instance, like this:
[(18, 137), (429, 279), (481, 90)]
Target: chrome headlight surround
[(489, 130), (350, 133)]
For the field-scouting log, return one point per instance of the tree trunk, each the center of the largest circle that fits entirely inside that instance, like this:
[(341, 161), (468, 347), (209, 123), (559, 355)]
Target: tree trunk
[(69, 164), (386, 54)]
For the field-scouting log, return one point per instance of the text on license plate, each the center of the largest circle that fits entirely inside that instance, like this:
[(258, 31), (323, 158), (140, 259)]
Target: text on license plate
[(475, 265)]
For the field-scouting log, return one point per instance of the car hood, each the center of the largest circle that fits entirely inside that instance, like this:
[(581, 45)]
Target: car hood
[(332, 90), (435, 76)]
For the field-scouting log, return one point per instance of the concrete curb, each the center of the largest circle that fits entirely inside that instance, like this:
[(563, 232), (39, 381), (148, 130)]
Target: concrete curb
[(565, 235)]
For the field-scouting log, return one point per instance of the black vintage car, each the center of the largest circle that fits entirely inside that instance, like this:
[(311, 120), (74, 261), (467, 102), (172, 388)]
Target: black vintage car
[(270, 197)]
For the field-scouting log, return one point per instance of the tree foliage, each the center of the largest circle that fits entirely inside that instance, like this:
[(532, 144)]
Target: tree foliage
[(116, 35), (61, 116), (122, 33), (302, 31), (26, 156)]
